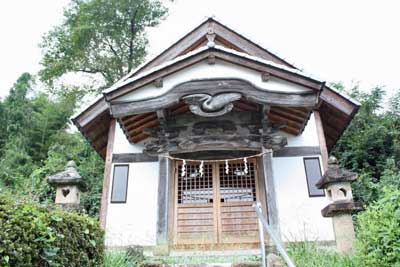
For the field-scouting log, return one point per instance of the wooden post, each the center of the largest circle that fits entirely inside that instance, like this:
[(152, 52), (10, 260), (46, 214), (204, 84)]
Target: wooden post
[(321, 138), (273, 216), (107, 174), (164, 180)]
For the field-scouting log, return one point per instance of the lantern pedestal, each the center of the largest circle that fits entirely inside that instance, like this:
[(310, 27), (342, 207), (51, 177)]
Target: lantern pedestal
[(336, 182)]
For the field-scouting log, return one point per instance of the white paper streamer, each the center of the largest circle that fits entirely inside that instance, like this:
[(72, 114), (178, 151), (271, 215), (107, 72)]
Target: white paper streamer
[(246, 169), (183, 172)]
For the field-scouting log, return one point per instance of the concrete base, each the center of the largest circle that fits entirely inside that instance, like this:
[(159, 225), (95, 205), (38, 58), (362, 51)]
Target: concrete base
[(344, 232), (161, 249)]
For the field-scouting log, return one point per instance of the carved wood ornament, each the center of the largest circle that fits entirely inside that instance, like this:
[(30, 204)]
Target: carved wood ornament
[(232, 131), (206, 105)]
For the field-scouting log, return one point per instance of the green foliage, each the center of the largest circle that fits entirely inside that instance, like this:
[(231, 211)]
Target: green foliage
[(35, 144), (378, 237), (105, 37), (310, 255), (33, 235), (371, 139)]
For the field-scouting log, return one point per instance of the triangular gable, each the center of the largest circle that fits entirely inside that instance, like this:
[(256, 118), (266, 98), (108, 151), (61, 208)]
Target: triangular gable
[(217, 52), (224, 36)]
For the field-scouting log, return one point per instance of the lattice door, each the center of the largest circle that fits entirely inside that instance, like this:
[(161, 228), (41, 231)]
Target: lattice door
[(216, 207), (238, 192), (195, 210)]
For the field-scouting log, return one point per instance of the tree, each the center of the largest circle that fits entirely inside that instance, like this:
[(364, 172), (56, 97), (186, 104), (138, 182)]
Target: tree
[(100, 37), (30, 124), (371, 140)]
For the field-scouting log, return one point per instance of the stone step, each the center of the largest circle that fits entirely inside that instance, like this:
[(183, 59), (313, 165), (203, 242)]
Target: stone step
[(163, 264), (206, 259)]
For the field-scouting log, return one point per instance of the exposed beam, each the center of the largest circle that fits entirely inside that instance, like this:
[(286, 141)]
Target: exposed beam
[(321, 138), (292, 111), (297, 151), (164, 179), (107, 175), (289, 122), (139, 123), (132, 158), (140, 129), (216, 86), (337, 101), (288, 115)]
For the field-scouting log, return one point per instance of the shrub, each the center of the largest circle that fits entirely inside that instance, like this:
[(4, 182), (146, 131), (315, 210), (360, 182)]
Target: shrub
[(33, 235), (378, 238)]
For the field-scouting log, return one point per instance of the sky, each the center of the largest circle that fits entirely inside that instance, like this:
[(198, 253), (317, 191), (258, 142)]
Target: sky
[(342, 40)]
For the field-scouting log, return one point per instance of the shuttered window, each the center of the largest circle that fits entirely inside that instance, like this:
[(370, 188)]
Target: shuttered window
[(313, 174), (120, 184)]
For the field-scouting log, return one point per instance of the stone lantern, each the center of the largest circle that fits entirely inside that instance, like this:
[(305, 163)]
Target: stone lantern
[(69, 184), (337, 183)]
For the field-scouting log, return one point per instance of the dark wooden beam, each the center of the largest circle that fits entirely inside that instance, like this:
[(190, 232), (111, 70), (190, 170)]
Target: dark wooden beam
[(158, 83), (138, 123), (164, 180), (322, 140), (337, 101), (107, 175), (294, 111), (150, 124), (288, 115), (132, 158), (289, 122), (267, 171), (265, 76), (297, 151), (216, 86)]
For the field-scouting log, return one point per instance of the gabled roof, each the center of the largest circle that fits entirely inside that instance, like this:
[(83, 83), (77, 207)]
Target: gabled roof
[(224, 36), (226, 45), (219, 52)]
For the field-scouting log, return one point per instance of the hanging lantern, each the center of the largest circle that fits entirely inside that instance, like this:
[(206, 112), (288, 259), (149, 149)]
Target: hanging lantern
[(246, 169), (226, 167), (183, 170)]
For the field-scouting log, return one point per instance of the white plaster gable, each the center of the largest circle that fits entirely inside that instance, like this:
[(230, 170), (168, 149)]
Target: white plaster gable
[(309, 137), (220, 70), (122, 145)]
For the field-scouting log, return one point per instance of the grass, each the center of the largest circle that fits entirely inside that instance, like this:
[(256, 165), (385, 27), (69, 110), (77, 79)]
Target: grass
[(117, 258), (311, 255)]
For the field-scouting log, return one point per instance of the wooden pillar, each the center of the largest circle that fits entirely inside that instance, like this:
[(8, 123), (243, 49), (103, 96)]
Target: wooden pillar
[(321, 138), (273, 216), (107, 174), (164, 182)]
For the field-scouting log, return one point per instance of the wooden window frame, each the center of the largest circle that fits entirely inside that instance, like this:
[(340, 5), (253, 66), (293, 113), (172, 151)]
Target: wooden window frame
[(126, 187), (307, 179)]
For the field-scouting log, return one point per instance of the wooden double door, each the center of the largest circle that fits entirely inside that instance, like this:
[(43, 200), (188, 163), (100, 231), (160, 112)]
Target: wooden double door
[(213, 207)]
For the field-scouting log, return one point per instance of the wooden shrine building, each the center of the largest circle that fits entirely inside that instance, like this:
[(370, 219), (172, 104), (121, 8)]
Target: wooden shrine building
[(197, 135)]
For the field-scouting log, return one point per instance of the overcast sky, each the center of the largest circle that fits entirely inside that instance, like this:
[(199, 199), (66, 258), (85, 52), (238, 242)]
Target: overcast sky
[(339, 40)]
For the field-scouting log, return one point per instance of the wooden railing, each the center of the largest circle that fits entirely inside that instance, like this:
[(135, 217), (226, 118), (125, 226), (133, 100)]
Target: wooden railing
[(274, 238)]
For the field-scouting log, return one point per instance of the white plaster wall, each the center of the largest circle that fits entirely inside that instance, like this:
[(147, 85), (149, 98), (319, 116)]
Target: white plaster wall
[(122, 145), (202, 70), (300, 215), (134, 222), (309, 137)]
